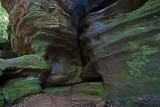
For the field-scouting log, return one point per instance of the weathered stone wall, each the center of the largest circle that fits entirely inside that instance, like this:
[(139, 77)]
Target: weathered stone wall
[(118, 38), (47, 28), (124, 46), (40, 19)]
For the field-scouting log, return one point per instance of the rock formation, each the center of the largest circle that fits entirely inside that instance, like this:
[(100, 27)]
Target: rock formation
[(122, 41), (64, 45), (45, 38)]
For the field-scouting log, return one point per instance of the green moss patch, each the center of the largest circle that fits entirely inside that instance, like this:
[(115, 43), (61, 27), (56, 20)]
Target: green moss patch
[(95, 89), (32, 61), (150, 7), (59, 90), (20, 87), (139, 58)]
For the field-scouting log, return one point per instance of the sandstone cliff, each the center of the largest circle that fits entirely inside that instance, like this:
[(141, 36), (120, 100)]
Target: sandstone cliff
[(70, 46)]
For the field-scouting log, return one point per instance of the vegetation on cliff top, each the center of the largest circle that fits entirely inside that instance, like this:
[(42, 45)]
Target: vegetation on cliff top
[(3, 22)]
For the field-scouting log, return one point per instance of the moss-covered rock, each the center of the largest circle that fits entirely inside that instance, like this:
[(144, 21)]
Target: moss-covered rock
[(17, 88), (28, 65), (59, 90), (32, 61), (89, 88), (92, 88), (3, 66)]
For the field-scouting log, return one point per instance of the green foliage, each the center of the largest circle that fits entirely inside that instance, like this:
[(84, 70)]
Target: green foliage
[(3, 22)]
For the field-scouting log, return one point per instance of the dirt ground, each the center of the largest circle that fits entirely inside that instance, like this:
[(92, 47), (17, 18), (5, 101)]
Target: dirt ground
[(45, 100)]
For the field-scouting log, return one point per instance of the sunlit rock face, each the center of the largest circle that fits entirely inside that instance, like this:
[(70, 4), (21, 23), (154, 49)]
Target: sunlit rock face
[(122, 40)]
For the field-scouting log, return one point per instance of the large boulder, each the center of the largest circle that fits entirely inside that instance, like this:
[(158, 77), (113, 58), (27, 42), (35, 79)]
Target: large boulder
[(28, 65), (59, 91), (18, 88)]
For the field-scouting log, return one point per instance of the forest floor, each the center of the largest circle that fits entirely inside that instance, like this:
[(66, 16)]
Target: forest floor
[(45, 100)]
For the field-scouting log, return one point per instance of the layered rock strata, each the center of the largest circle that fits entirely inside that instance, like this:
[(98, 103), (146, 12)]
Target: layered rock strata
[(122, 41), (119, 39)]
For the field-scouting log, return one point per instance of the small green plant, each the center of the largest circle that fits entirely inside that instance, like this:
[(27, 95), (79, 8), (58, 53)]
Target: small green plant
[(3, 22)]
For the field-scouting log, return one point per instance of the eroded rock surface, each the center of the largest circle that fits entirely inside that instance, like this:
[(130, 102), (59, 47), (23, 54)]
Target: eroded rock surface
[(124, 46), (45, 36), (119, 39), (44, 28)]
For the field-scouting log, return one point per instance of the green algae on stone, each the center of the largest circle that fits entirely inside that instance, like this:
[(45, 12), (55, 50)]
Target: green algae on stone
[(3, 66), (139, 58), (20, 87), (59, 90), (148, 8), (96, 89), (40, 46), (132, 32), (32, 61)]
